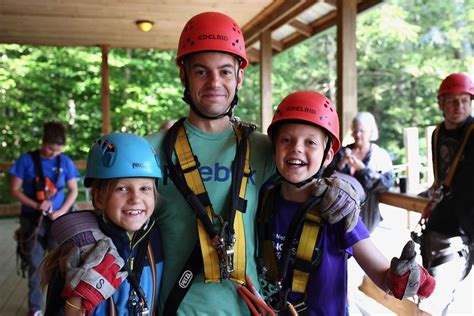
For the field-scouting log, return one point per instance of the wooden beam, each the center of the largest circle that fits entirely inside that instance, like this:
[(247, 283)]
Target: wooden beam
[(253, 55), (300, 27), (280, 15), (408, 201), (266, 80), (324, 23), (277, 45), (346, 64), (105, 92)]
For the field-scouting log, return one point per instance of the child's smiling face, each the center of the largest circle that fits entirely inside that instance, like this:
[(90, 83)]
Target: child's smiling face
[(131, 203), (299, 150)]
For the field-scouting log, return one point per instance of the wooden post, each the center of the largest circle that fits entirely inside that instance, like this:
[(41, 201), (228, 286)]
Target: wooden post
[(105, 92), (346, 64), (412, 154), (266, 111), (429, 156)]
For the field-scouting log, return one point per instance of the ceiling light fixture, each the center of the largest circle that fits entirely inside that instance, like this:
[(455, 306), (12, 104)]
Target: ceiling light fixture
[(144, 25)]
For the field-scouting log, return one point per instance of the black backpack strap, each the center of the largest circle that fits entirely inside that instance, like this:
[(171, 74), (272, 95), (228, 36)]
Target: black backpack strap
[(35, 155)]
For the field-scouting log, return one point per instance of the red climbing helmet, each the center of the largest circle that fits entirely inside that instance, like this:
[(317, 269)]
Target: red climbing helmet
[(212, 31), (311, 107), (456, 83)]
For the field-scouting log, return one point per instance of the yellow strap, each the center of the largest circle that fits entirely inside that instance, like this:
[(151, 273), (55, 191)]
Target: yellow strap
[(239, 260), (194, 181), (305, 251), (454, 164)]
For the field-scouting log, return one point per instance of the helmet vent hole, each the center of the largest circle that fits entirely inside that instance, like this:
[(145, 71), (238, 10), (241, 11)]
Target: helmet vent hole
[(108, 159)]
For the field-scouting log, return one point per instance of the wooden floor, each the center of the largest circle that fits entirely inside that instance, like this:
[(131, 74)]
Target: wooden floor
[(13, 289)]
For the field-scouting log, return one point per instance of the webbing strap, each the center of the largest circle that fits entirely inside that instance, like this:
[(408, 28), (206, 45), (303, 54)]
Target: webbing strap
[(454, 165), (306, 217), (304, 253), (239, 231), (189, 167)]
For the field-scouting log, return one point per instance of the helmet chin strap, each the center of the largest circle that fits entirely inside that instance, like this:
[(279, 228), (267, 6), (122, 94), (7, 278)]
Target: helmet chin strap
[(318, 174)]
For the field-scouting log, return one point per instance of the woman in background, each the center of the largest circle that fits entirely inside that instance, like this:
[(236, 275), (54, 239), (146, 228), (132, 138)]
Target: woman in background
[(368, 163)]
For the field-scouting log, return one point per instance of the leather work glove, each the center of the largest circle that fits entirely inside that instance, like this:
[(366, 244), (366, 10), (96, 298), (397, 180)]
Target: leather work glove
[(407, 278), (79, 229), (340, 201), (94, 278)]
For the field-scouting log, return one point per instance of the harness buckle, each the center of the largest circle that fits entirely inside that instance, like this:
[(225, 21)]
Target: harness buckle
[(299, 307), (225, 252)]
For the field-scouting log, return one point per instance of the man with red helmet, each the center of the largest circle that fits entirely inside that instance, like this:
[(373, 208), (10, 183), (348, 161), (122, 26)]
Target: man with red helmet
[(302, 252), (447, 240), (211, 58)]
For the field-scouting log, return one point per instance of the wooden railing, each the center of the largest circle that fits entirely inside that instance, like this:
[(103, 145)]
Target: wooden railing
[(14, 209), (408, 201)]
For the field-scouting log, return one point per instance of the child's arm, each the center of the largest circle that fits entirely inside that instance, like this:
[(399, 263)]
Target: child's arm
[(372, 261)]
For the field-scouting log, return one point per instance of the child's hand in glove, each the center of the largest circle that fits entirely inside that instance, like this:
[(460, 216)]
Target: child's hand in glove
[(407, 278), (94, 278), (340, 201)]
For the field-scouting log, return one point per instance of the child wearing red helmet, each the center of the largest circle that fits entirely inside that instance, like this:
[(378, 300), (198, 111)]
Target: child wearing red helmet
[(303, 255)]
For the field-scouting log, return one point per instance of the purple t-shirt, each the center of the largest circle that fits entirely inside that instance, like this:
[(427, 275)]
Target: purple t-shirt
[(326, 292)]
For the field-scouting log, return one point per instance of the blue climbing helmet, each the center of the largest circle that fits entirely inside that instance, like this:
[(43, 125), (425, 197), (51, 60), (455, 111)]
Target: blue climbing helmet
[(121, 155)]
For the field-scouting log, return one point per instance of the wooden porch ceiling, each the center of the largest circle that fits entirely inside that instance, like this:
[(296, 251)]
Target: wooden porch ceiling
[(111, 23)]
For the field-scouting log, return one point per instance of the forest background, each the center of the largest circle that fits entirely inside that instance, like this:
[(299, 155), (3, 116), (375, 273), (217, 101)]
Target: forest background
[(404, 49)]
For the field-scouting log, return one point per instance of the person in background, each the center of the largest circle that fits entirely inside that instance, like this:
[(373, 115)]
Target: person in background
[(368, 163), (121, 172), (303, 253), (447, 240), (39, 181)]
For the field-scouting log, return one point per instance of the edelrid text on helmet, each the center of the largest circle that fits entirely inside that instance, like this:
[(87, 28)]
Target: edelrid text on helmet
[(213, 37), (310, 107), (212, 31), (121, 155)]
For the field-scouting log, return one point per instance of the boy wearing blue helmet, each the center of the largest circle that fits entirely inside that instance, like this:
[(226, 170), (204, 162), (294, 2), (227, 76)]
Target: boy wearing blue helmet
[(121, 172)]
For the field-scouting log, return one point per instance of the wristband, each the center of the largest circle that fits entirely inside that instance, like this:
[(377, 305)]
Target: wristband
[(75, 307)]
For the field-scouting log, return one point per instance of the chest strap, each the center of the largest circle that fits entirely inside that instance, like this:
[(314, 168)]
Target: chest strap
[(454, 164), (306, 217), (305, 251), (223, 252)]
